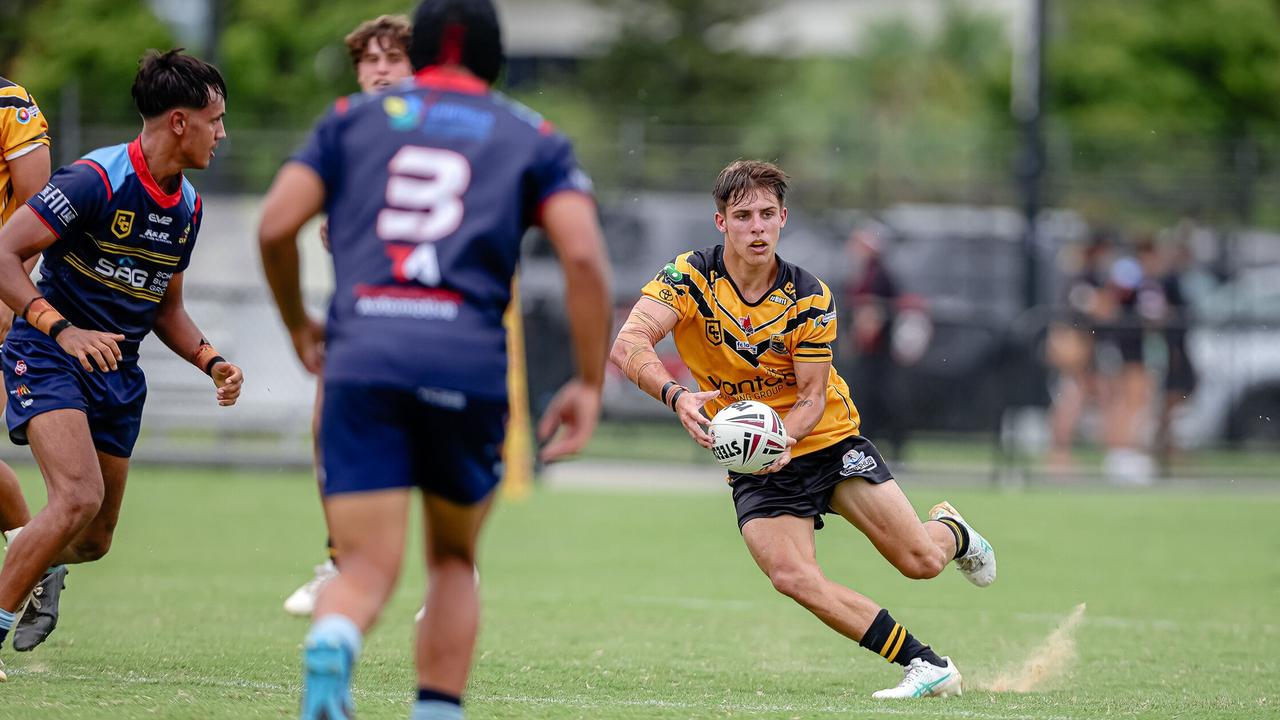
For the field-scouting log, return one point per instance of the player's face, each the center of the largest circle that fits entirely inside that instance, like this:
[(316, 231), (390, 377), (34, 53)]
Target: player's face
[(751, 226), (203, 130), (381, 67)]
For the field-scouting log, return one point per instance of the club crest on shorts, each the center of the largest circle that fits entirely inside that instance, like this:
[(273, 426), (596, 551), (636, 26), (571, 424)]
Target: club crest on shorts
[(20, 367), (856, 461)]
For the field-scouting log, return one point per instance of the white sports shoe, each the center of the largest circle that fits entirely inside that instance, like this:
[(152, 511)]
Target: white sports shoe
[(978, 564), (924, 679), (303, 600)]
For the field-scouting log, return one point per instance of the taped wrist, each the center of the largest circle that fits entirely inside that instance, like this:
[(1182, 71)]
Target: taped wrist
[(41, 315)]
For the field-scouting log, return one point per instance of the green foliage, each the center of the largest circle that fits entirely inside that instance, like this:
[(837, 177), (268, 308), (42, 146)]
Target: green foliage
[(90, 47)]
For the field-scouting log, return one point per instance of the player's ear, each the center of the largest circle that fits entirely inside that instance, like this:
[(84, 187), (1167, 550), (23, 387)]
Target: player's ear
[(720, 223), (782, 217), (178, 120)]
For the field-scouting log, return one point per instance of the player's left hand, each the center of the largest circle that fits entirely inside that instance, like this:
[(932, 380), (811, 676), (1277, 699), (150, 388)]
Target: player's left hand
[(228, 379), (576, 410), (782, 460)]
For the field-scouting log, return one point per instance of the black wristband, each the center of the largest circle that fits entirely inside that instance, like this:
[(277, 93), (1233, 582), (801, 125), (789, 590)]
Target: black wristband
[(26, 308), (58, 327), (676, 396), (208, 367), (666, 389)]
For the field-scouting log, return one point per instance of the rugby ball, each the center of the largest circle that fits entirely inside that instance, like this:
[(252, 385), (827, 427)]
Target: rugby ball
[(747, 436)]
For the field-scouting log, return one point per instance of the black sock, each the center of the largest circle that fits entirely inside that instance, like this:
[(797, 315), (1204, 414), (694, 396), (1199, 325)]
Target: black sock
[(893, 643), (961, 533), (427, 694), (333, 552)]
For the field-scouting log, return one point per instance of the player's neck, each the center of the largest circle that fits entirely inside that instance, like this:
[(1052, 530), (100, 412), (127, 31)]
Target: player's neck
[(752, 281), (162, 160)]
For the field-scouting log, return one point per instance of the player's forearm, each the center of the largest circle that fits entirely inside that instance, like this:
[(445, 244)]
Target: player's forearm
[(633, 353), (281, 263), (179, 333), (803, 417), (587, 297), (16, 288)]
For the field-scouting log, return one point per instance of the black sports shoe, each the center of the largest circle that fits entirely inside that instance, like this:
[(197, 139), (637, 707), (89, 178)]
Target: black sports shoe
[(41, 616)]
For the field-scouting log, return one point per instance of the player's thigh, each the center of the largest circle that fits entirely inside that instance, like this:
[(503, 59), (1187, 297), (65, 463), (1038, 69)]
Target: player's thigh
[(369, 527), (883, 513), (63, 448), (452, 529), (781, 544)]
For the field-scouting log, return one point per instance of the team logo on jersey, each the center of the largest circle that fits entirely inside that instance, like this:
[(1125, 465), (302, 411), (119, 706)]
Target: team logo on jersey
[(122, 224), (713, 332), (745, 324), (856, 461), (20, 367), (777, 345), (789, 288)]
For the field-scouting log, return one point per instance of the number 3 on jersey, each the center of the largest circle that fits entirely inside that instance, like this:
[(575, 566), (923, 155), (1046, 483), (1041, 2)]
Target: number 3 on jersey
[(423, 204)]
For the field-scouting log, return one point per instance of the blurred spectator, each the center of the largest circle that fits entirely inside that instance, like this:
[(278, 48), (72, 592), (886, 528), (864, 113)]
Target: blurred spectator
[(1180, 374), (875, 383), (1085, 305)]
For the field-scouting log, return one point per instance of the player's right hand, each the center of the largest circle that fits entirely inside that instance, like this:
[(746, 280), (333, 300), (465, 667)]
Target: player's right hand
[(688, 406), (86, 345), (308, 343)]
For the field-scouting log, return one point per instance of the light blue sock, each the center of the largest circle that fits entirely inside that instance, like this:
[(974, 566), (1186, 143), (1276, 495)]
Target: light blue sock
[(6, 624), (436, 710), (339, 629)]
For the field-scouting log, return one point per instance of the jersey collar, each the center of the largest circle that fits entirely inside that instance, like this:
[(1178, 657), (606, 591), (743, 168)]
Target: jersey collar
[(164, 200), (439, 77)]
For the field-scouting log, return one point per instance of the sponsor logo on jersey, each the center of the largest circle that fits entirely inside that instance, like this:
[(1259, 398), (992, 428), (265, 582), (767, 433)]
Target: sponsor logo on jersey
[(122, 224), (827, 319), (186, 231), (123, 270), (455, 120), (714, 335), (669, 274), (754, 388), (165, 220), (25, 114), (779, 299), (407, 302), (777, 345), (403, 113), (58, 204), (745, 324), (156, 236), (745, 346), (789, 289), (20, 391), (666, 295), (20, 368), (856, 461)]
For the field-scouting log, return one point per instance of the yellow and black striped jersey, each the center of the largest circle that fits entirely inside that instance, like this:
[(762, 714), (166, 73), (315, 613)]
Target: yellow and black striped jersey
[(749, 350), (23, 128)]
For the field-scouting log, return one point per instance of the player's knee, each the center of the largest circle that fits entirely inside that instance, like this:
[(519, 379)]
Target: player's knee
[(78, 506), (921, 564), (798, 582), (91, 549)]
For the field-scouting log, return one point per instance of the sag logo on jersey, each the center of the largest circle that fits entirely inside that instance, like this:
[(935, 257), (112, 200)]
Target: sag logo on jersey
[(122, 224), (133, 276), (713, 332)]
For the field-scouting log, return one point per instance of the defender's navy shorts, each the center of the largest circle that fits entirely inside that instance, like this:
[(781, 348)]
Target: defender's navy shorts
[(804, 487), (375, 437), (40, 376)]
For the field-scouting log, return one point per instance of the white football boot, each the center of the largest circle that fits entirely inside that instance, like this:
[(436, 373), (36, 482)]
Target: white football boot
[(303, 600), (924, 679), (978, 564)]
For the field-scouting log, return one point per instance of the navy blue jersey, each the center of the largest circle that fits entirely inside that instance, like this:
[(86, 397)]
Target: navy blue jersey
[(120, 241), (429, 189)]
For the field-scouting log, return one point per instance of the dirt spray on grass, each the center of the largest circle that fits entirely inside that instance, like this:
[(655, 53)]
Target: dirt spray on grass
[(1046, 664)]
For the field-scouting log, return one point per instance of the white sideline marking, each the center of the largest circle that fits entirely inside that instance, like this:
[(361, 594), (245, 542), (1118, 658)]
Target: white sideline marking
[(925, 708)]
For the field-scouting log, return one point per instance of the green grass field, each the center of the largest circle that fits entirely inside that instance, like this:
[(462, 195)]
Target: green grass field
[(603, 605)]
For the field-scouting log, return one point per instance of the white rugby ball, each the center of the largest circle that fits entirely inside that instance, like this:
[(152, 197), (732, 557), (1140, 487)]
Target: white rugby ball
[(747, 436)]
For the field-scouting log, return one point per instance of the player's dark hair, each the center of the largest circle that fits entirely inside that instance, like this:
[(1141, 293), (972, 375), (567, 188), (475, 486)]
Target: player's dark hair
[(389, 30), (172, 80), (458, 32), (743, 177)]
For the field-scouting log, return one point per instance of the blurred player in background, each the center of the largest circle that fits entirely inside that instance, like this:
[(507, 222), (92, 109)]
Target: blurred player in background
[(379, 50), (753, 327), (24, 169), (426, 220), (116, 229)]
